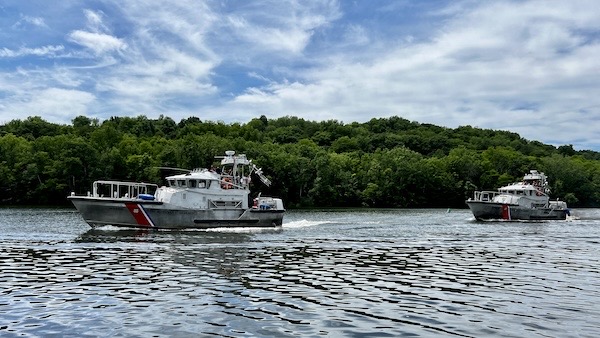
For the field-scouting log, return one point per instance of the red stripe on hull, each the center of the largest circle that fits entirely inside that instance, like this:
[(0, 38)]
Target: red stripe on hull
[(505, 212), (138, 212)]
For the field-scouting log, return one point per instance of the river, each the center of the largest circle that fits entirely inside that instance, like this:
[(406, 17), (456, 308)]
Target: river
[(325, 273)]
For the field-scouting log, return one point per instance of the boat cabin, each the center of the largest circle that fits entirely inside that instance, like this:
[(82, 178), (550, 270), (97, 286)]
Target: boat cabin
[(521, 190), (189, 182)]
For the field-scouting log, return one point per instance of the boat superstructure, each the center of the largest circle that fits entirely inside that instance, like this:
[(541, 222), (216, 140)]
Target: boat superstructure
[(525, 200), (200, 198)]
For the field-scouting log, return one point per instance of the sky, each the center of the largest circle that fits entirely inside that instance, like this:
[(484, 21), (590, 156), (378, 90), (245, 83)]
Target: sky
[(527, 66)]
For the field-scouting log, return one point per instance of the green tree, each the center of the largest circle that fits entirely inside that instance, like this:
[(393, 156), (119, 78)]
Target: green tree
[(83, 125), (336, 184), (15, 156)]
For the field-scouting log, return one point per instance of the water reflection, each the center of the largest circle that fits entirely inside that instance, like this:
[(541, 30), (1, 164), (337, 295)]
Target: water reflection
[(212, 236)]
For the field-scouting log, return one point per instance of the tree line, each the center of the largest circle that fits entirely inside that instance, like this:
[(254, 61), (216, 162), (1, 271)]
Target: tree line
[(385, 162)]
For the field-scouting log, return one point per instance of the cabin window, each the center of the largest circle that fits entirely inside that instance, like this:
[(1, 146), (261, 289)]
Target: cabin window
[(181, 183), (202, 184), (171, 183), (192, 183)]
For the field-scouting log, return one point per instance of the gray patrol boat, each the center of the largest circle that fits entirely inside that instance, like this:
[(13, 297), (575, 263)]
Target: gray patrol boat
[(525, 200), (198, 199)]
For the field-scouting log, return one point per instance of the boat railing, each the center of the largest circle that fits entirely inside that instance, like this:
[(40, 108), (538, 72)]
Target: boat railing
[(234, 182), (485, 196), (125, 190)]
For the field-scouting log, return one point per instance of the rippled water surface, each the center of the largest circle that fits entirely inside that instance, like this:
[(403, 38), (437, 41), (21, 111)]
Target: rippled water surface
[(367, 273)]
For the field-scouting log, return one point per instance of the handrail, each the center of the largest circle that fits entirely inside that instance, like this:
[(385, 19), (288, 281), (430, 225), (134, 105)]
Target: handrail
[(120, 189)]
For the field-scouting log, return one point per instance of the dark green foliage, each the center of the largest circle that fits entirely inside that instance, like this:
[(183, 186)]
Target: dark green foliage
[(385, 162)]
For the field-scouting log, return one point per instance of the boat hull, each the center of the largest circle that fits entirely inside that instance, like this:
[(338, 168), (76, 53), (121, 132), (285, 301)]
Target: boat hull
[(136, 213), (497, 211)]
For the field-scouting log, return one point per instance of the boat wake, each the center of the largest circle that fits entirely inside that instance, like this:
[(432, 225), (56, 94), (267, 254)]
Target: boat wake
[(111, 228), (291, 225), (246, 230), (303, 224)]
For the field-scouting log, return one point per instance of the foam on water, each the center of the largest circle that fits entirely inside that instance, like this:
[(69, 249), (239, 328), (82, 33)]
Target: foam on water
[(239, 229), (109, 228), (303, 224)]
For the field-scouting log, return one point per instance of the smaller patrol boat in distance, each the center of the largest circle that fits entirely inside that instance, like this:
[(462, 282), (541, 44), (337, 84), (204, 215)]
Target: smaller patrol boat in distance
[(525, 200), (198, 199)]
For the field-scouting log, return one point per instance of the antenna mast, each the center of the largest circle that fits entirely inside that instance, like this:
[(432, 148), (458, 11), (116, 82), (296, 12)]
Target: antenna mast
[(259, 173)]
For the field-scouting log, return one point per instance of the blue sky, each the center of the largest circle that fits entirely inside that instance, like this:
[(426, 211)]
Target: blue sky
[(527, 66)]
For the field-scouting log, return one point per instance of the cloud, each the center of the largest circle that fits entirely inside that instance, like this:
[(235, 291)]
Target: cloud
[(51, 103), (30, 20), (94, 21), (281, 26), (49, 51), (184, 24), (97, 38), (166, 59), (99, 43), (356, 35)]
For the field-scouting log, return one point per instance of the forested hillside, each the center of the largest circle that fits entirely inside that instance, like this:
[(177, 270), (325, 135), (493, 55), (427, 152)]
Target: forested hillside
[(386, 162)]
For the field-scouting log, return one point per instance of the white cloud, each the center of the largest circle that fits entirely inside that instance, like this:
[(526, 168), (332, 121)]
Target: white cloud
[(97, 38), (154, 87), (51, 103), (30, 80), (167, 58), (184, 24), (356, 35), (291, 40), (281, 26), (30, 20), (97, 42), (49, 51), (94, 21)]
